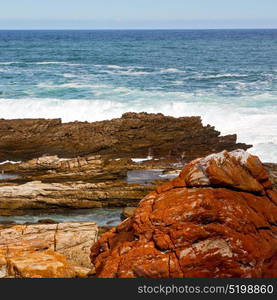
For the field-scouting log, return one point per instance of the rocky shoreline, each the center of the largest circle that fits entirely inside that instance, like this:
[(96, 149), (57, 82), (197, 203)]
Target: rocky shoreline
[(132, 135), (81, 165), (218, 218)]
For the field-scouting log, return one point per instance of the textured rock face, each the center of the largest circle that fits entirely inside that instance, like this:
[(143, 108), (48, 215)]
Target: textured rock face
[(55, 250), (132, 135), (92, 168), (217, 219), (55, 163), (83, 182), (272, 169), (38, 195), (27, 264)]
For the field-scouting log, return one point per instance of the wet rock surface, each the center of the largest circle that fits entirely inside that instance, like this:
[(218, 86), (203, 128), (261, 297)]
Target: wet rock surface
[(218, 218), (132, 135)]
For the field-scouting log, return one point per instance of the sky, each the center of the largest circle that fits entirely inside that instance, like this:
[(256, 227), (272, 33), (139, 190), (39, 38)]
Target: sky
[(137, 14)]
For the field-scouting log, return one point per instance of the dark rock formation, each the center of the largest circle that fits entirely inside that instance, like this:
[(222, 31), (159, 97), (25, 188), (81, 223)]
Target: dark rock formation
[(132, 135), (218, 218)]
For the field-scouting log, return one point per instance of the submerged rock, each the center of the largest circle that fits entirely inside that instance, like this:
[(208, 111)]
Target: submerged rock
[(132, 135), (217, 219), (46, 251)]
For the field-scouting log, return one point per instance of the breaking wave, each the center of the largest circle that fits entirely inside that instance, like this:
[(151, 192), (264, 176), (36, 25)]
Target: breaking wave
[(256, 126)]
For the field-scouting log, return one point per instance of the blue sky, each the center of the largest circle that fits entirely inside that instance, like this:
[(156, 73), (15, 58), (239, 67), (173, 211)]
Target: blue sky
[(121, 14)]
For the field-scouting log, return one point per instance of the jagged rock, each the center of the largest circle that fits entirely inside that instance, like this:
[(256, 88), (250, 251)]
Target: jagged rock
[(217, 219), (38, 195), (132, 135), (53, 250)]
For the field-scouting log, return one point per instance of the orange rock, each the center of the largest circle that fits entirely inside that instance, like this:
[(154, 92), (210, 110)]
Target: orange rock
[(217, 219), (45, 264), (46, 250)]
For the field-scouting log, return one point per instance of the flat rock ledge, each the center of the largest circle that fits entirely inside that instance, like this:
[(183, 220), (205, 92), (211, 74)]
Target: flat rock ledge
[(70, 195)]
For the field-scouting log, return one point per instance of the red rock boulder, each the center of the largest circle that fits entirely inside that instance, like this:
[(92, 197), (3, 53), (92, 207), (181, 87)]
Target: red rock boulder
[(217, 219)]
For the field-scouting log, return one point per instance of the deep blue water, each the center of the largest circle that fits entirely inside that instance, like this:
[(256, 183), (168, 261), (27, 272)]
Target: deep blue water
[(228, 77)]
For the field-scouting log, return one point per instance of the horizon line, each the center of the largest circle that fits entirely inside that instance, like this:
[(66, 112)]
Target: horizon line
[(76, 29)]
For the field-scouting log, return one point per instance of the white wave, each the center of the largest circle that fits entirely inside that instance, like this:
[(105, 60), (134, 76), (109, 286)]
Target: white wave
[(68, 75), (139, 160), (254, 125), (133, 70), (10, 162), (49, 63), (119, 67), (172, 70), (115, 67), (54, 63), (40, 63), (67, 110), (219, 76), (129, 72), (8, 63), (74, 85)]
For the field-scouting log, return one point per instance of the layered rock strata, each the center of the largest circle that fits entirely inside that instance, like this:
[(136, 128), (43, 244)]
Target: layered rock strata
[(132, 135), (38, 195)]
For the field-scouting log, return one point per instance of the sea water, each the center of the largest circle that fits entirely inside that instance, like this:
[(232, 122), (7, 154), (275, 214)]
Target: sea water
[(228, 77), (102, 216)]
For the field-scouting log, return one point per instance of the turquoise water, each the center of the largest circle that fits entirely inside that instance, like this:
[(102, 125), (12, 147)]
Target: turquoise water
[(228, 77), (102, 216)]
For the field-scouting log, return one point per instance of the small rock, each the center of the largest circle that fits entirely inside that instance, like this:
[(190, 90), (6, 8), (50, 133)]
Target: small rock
[(127, 212)]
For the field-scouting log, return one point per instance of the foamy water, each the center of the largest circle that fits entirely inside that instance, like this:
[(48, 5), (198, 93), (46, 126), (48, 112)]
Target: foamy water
[(229, 78)]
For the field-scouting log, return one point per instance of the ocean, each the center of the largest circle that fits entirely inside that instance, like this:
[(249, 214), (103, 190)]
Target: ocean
[(228, 77)]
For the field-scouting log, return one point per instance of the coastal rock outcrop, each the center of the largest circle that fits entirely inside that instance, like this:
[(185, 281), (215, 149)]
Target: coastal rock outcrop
[(52, 250), (39, 195), (91, 168), (132, 135), (218, 218)]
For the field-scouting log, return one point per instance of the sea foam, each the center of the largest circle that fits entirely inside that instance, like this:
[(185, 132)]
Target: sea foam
[(256, 126)]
